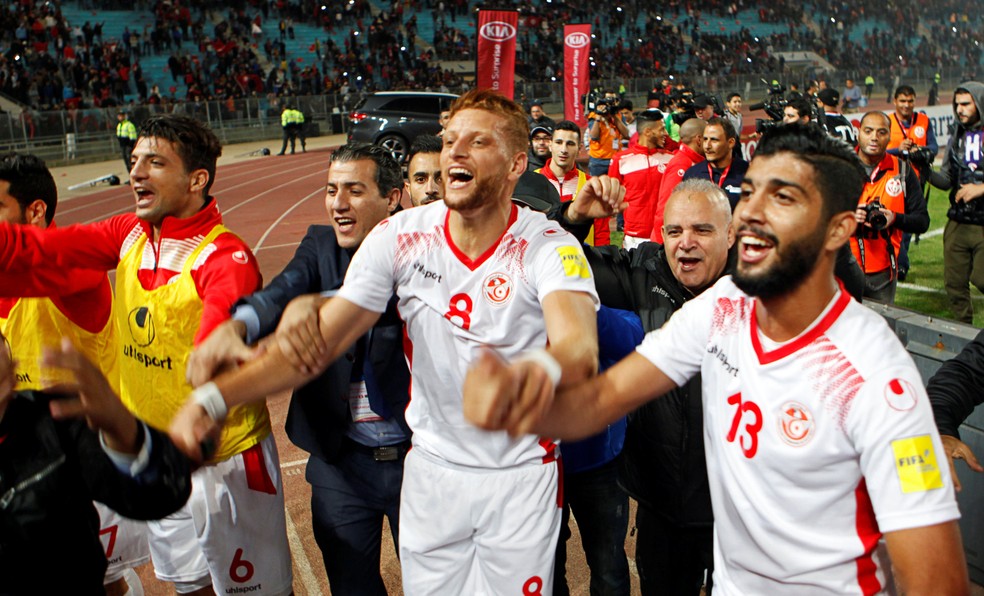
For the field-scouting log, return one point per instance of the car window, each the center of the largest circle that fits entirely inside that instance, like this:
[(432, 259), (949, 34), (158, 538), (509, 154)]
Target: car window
[(421, 105)]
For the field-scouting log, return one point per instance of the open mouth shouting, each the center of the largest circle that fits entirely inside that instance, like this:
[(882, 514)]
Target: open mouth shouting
[(754, 245), (144, 195), (689, 262), (459, 177)]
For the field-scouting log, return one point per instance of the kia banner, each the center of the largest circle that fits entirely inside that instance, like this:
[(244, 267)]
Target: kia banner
[(496, 63), (577, 46)]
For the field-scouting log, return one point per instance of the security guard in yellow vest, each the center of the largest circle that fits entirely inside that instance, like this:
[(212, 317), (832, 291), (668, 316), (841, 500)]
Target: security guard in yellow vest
[(890, 204), (292, 121), (126, 134)]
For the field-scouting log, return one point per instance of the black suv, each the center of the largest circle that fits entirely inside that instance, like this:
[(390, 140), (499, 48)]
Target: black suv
[(393, 119)]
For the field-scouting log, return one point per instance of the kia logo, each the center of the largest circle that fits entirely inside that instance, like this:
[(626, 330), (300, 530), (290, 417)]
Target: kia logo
[(497, 31), (577, 40)]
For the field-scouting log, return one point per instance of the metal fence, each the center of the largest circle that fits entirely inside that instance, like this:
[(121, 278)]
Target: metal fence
[(81, 135)]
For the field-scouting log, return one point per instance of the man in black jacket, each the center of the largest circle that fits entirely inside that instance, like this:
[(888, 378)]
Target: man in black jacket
[(954, 391), (52, 468), (663, 464), (358, 438)]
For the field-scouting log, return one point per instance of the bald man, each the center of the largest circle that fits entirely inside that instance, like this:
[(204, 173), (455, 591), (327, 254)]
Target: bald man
[(662, 464), (690, 152)]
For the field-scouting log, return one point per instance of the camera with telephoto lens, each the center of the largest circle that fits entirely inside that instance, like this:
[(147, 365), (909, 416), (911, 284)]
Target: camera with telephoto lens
[(874, 217), (607, 105)]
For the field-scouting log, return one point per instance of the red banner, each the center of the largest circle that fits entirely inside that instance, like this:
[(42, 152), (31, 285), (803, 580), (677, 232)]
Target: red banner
[(577, 46), (496, 63)]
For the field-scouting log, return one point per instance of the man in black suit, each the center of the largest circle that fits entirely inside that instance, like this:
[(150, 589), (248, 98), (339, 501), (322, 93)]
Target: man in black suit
[(358, 437)]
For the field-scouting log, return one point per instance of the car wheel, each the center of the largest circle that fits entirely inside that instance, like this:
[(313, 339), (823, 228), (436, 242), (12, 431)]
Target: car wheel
[(396, 145)]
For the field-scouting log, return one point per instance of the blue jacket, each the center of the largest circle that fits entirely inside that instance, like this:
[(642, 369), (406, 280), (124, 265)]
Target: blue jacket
[(619, 332)]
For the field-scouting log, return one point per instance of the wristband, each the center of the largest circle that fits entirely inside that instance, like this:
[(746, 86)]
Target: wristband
[(210, 398), (547, 362)]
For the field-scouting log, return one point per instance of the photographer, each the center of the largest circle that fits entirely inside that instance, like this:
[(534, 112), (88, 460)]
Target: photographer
[(607, 132), (912, 133), (961, 174), (912, 140), (890, 204)]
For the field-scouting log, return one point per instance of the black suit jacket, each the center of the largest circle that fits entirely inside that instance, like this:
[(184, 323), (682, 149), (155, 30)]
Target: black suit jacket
[(318, 415)]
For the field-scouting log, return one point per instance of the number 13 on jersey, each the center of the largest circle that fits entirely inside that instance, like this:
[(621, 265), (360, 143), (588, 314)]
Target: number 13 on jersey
[(747, 435)]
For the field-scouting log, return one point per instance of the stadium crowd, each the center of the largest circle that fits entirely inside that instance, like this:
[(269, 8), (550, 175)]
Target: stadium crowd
[(220, 52)]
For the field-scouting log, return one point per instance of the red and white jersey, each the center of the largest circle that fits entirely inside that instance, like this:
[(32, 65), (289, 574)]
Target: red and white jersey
[(814, 447), (453, 305)]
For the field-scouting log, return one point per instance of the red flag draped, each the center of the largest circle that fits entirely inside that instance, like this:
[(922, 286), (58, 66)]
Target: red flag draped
[(496, 63), (577, 46)]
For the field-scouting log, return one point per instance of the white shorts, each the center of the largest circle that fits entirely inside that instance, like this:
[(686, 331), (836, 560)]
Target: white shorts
[(233, 528), (478, 531), (123, 539)]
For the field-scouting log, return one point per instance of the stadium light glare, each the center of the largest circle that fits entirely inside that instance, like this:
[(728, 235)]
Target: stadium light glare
[(833, 20)]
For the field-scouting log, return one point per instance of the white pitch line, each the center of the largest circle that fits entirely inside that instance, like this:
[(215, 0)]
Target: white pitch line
[(293, 464), (273, 246), (932, 233), (301, 560), (924, 289)]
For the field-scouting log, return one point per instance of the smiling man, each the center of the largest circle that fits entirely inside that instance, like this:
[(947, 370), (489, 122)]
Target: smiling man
[(662, 463), (819, 436), (350, 419), (178, 270), (479, 510), (891, 203)]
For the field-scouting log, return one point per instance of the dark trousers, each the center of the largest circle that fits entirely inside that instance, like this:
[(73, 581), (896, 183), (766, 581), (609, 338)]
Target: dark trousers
[(290, 134), (126, 150), (601, 509), (348, 501), (672, 559)]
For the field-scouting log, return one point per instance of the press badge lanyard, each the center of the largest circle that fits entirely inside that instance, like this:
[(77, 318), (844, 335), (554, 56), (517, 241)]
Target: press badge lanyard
[(710, 174)]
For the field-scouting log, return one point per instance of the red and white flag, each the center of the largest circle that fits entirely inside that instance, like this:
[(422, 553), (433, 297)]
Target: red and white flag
[(496, 63), (577, 46)]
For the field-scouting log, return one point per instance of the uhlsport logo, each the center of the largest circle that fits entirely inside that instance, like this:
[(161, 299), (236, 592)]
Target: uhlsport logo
[(497, 31), (577, 40), (141, 324)]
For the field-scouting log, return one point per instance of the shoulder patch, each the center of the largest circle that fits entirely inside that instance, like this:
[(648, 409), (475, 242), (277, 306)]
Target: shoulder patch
[(915, 464), (575, 265), (241, 257)]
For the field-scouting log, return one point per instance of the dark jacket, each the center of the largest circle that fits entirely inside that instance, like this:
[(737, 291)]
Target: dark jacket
[(50, 472), (662, 463), (955, 389), (318, 415), (730, 182), (959, 168)]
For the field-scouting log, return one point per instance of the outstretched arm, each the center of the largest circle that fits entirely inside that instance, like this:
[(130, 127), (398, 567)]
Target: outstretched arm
[(341, 323), (929, 560)]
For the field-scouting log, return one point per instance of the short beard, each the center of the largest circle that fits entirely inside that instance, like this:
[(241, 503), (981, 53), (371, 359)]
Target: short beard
[(795, 264), (484, 191)]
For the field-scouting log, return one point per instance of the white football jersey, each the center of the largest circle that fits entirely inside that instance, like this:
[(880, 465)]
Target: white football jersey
[(814, 447), (453, 305)]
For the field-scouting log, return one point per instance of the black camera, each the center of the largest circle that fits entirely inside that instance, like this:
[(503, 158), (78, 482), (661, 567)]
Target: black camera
[(969, 212), (773, 106), (921, 158), (874, 217), (607, 105)]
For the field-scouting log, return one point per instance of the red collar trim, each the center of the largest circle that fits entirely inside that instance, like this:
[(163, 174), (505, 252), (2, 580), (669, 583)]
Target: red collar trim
[(475, 264), (821, 327), (173, 227)]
